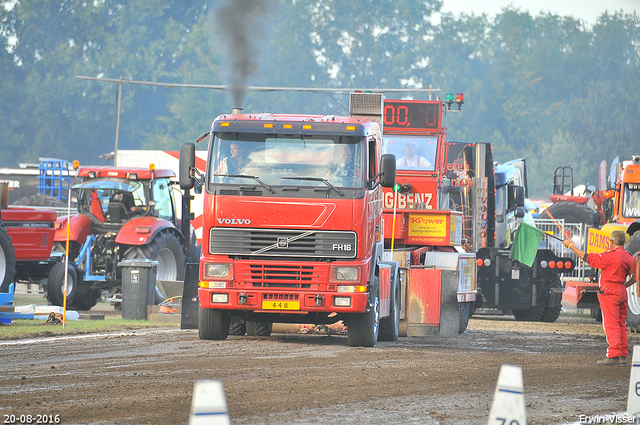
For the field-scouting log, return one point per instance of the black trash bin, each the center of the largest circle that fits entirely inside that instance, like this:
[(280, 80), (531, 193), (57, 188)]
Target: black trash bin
[(138, 287)]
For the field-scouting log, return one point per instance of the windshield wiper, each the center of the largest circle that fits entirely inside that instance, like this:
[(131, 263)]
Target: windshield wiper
[(246, 176), (315, 179)]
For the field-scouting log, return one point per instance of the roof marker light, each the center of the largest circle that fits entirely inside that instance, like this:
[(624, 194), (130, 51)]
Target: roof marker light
[(459, 100), (448, 100)]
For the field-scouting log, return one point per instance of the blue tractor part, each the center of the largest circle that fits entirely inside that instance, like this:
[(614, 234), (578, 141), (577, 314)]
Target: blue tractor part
[(54, 178)]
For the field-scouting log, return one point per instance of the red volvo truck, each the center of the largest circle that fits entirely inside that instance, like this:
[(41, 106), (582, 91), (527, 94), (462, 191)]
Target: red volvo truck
[(293, 228)]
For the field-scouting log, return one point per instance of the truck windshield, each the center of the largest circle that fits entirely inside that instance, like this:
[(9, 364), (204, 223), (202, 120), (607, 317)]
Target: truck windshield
[(631, 205), (412, 152), (314, 160)]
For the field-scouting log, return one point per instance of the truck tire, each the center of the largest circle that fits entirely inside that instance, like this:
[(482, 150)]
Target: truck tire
[(551, 313), (465, 314), (237, 326), (55, 284), (213, 324), (362, 328), (7, 260), (41, 200), (572, 212), (390, 326), (633, 311), (532, 314), (166, 249), (259, 328)]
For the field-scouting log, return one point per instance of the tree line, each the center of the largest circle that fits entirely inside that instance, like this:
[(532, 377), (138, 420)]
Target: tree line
[(548, 88)]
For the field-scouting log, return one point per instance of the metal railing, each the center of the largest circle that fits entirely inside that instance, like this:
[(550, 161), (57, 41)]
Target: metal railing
[(578, 233)]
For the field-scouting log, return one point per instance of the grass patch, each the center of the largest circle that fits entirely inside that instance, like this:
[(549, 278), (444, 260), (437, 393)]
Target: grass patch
[(37, 328), (34, 328)]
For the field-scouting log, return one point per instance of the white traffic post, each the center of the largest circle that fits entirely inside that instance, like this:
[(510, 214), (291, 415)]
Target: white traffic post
[(633, 402), (209, 404), (508, 400)]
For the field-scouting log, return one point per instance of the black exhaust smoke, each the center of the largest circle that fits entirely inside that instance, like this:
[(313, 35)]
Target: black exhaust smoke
[(241, 25)]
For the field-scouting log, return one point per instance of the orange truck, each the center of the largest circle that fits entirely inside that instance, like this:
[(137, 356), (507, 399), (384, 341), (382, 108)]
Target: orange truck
[(454, 212), (292, 226), (615, 206)]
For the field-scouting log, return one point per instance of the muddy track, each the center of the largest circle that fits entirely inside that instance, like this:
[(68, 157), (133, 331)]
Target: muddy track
[(148, 376)]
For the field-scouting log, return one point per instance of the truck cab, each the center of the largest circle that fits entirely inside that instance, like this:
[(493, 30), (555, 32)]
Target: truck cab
[(293, 225)]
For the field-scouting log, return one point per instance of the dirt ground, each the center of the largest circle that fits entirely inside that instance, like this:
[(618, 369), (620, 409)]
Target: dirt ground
[(147, 376)]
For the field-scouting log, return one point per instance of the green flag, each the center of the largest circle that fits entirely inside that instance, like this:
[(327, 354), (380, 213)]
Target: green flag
[(525, 243)]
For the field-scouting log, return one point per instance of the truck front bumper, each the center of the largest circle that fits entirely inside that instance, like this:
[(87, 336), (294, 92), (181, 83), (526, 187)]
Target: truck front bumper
[(275, 301)]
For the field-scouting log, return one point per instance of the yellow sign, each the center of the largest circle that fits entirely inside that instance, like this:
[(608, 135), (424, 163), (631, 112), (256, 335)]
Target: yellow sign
[(281, 305), (431, 225), (599, 241)]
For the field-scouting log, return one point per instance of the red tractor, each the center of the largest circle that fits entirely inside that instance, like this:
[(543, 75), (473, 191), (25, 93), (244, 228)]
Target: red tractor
[(123, 214), (26, 238)]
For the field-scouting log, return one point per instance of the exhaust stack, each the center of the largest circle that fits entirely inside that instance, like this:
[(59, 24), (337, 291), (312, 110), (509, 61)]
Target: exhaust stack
[(236, 110)]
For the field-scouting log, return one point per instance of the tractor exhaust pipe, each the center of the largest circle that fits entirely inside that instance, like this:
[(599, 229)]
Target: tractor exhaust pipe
[(236, 110)]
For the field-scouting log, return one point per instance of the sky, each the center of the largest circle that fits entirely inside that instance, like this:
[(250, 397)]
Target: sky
[(586, 10)]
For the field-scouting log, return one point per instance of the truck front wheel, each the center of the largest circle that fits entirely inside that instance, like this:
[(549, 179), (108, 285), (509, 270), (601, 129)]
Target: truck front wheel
[(633, 312), (213, 324), (362, 328), (7, 261)]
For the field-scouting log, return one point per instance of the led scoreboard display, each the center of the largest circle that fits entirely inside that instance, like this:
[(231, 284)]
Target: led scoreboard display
[(412, 115)]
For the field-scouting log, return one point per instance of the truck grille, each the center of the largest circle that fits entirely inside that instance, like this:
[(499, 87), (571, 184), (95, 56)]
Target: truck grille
[(282, 243), (280, 275)]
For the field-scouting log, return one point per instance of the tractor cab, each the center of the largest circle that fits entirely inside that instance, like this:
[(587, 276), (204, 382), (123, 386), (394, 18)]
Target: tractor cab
[(112, 198), (112, 201)]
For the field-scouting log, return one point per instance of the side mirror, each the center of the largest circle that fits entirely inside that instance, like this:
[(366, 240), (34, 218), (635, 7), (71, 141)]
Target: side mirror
[(516, 197), (387, 170), (187, 162), (519, 213)]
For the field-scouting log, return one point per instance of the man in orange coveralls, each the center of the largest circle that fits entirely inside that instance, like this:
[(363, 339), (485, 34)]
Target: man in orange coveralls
[(615, 265)]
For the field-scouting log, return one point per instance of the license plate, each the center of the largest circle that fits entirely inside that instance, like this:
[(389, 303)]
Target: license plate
[(281, 305)]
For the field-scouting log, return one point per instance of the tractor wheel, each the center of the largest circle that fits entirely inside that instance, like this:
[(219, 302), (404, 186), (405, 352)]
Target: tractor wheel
[(572, 212), (55, 284), (390, 326), (41, 200), (7, 261), (166, 249), (362, 328), (633, 312), (259, 328), (213, 324), (86, 296)]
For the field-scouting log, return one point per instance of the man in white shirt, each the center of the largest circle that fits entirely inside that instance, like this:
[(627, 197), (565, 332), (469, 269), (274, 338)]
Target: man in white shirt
[(411, 160)]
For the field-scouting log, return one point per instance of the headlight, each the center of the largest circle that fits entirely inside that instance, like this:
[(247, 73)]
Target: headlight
[(348, 274), (220, 298), (342, 302), (217, 270)]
